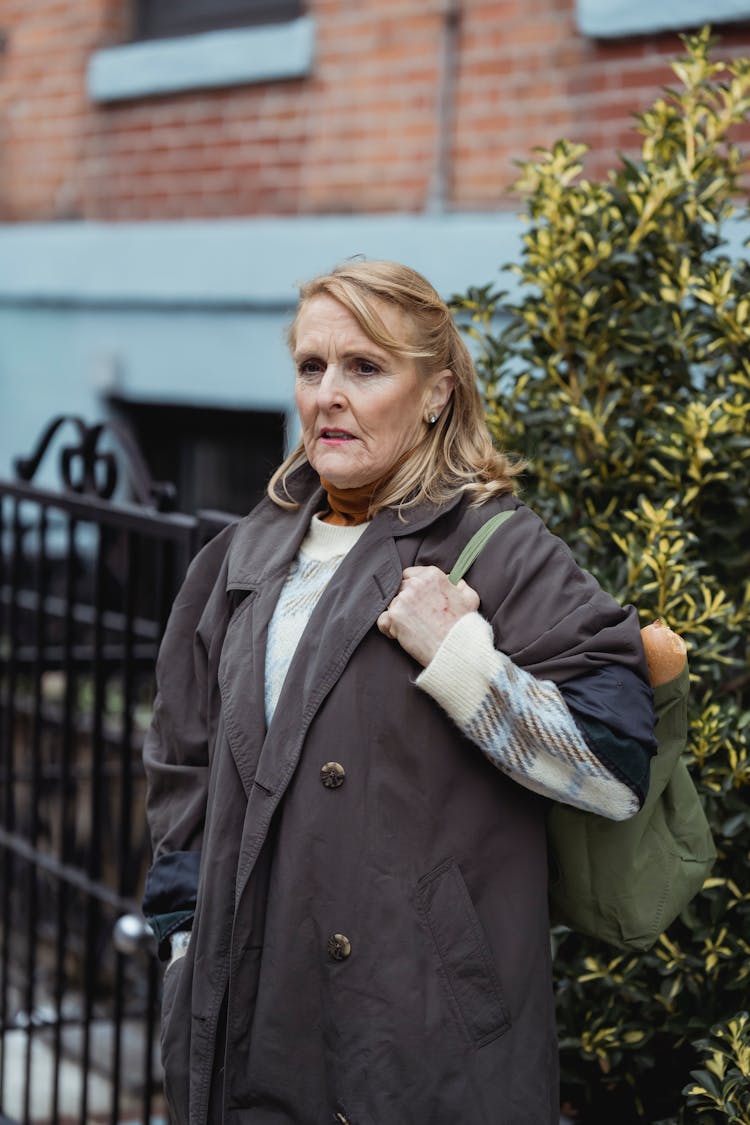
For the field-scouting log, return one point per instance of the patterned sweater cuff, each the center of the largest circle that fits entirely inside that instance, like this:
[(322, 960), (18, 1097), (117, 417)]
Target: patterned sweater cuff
[(460, 673)]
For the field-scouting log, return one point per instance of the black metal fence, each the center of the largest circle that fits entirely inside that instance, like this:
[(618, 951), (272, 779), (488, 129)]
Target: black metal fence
[(86, 582)]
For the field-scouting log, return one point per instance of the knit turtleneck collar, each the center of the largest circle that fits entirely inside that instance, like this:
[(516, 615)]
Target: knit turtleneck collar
[(350, 506)]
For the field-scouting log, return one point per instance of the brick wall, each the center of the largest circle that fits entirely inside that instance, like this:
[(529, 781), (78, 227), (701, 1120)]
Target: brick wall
[(45, 115), (362, 133)]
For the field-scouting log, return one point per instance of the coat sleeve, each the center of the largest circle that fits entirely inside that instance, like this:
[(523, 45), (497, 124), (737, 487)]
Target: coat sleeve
[(526, 728), (557, 622), (177, 745), (551, 619), (549, 614)]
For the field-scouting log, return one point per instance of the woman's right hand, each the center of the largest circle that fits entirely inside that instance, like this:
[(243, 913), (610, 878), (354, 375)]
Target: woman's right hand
[(425, 610)]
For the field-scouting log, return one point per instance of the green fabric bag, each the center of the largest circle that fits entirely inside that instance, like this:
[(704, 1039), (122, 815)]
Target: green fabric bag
[(625, 881)]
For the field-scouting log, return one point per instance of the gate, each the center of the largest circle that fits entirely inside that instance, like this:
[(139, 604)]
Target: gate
[(87, 576)]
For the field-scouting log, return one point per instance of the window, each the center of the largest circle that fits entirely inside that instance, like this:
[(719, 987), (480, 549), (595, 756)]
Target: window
[(199, 45), (156, 19), (609, 19)]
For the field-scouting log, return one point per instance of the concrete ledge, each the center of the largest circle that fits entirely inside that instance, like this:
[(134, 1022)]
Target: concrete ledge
[(610, 19), (253, 263), (193, 62), (240, 263)]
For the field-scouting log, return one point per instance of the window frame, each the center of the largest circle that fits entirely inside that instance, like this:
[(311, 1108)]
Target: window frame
[(613, 19), (273, 52)]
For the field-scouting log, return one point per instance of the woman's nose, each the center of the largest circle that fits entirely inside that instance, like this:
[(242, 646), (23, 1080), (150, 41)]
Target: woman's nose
[(331, 389)]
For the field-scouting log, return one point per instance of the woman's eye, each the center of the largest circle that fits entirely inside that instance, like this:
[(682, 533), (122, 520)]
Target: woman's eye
[(366, 367), (309, 368)]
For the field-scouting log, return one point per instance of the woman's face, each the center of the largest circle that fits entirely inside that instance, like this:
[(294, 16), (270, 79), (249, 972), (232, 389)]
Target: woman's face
[(361, 407)]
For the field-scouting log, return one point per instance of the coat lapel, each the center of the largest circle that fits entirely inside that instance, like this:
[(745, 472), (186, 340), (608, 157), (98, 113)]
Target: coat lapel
[(359, 591), (259, 558)]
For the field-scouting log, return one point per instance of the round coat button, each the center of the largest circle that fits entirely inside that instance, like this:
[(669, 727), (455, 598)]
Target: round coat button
[(339, 947), (332, 774)]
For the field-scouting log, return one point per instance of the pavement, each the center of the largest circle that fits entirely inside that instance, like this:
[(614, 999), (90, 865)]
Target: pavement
[(70, 1086)]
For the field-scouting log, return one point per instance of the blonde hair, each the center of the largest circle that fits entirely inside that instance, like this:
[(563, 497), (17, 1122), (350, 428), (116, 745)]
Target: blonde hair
[(456, 454)]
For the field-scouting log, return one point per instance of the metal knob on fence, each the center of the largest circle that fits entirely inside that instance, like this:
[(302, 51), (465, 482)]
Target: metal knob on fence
[(132, 934)]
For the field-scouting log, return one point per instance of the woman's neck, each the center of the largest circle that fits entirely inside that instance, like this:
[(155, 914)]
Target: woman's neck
[(350, 506)]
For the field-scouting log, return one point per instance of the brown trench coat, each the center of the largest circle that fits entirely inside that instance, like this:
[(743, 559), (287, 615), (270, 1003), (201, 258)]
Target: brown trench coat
[(427, 866)]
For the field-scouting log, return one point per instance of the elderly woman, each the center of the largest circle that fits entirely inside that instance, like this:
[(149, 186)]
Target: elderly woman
[(351, 758)]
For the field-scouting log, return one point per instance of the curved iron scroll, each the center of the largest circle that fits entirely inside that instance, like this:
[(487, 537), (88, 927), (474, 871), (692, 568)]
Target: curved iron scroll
[(89, 470)]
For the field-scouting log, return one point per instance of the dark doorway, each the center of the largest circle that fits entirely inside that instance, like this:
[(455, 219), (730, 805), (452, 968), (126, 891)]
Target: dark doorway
[(216, 457)]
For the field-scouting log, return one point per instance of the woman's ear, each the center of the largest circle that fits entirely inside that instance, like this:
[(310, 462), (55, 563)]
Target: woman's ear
[(441, 389)]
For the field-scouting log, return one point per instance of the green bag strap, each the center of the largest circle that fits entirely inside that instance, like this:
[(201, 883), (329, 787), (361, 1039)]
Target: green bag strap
[(476, 544)]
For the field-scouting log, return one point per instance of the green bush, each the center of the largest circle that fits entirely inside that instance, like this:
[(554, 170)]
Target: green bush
[(623, 374), (723, 1084)]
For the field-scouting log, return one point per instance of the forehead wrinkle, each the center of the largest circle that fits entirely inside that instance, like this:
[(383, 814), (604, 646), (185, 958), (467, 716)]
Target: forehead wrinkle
[(318, 342)]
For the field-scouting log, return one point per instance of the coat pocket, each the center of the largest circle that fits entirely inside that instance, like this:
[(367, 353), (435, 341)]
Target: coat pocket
[(467, 967)]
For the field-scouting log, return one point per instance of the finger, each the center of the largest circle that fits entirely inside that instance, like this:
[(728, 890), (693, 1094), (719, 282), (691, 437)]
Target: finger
[(463, 587), (416, 571), (384, 623), (468, 595)]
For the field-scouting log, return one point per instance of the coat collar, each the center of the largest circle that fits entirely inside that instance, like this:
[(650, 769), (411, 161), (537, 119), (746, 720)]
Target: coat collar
[(266, 541)]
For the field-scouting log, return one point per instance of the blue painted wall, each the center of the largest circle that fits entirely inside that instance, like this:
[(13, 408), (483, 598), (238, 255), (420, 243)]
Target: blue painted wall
[(190, 312)]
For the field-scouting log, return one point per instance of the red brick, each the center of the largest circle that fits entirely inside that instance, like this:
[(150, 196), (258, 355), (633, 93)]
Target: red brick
[(359, 134)]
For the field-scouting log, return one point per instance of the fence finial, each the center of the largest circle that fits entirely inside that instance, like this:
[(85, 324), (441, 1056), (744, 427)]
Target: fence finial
[(87, 469)]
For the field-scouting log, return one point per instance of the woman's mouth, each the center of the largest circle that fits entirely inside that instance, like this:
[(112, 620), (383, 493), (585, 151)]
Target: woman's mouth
[(334, 437)]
